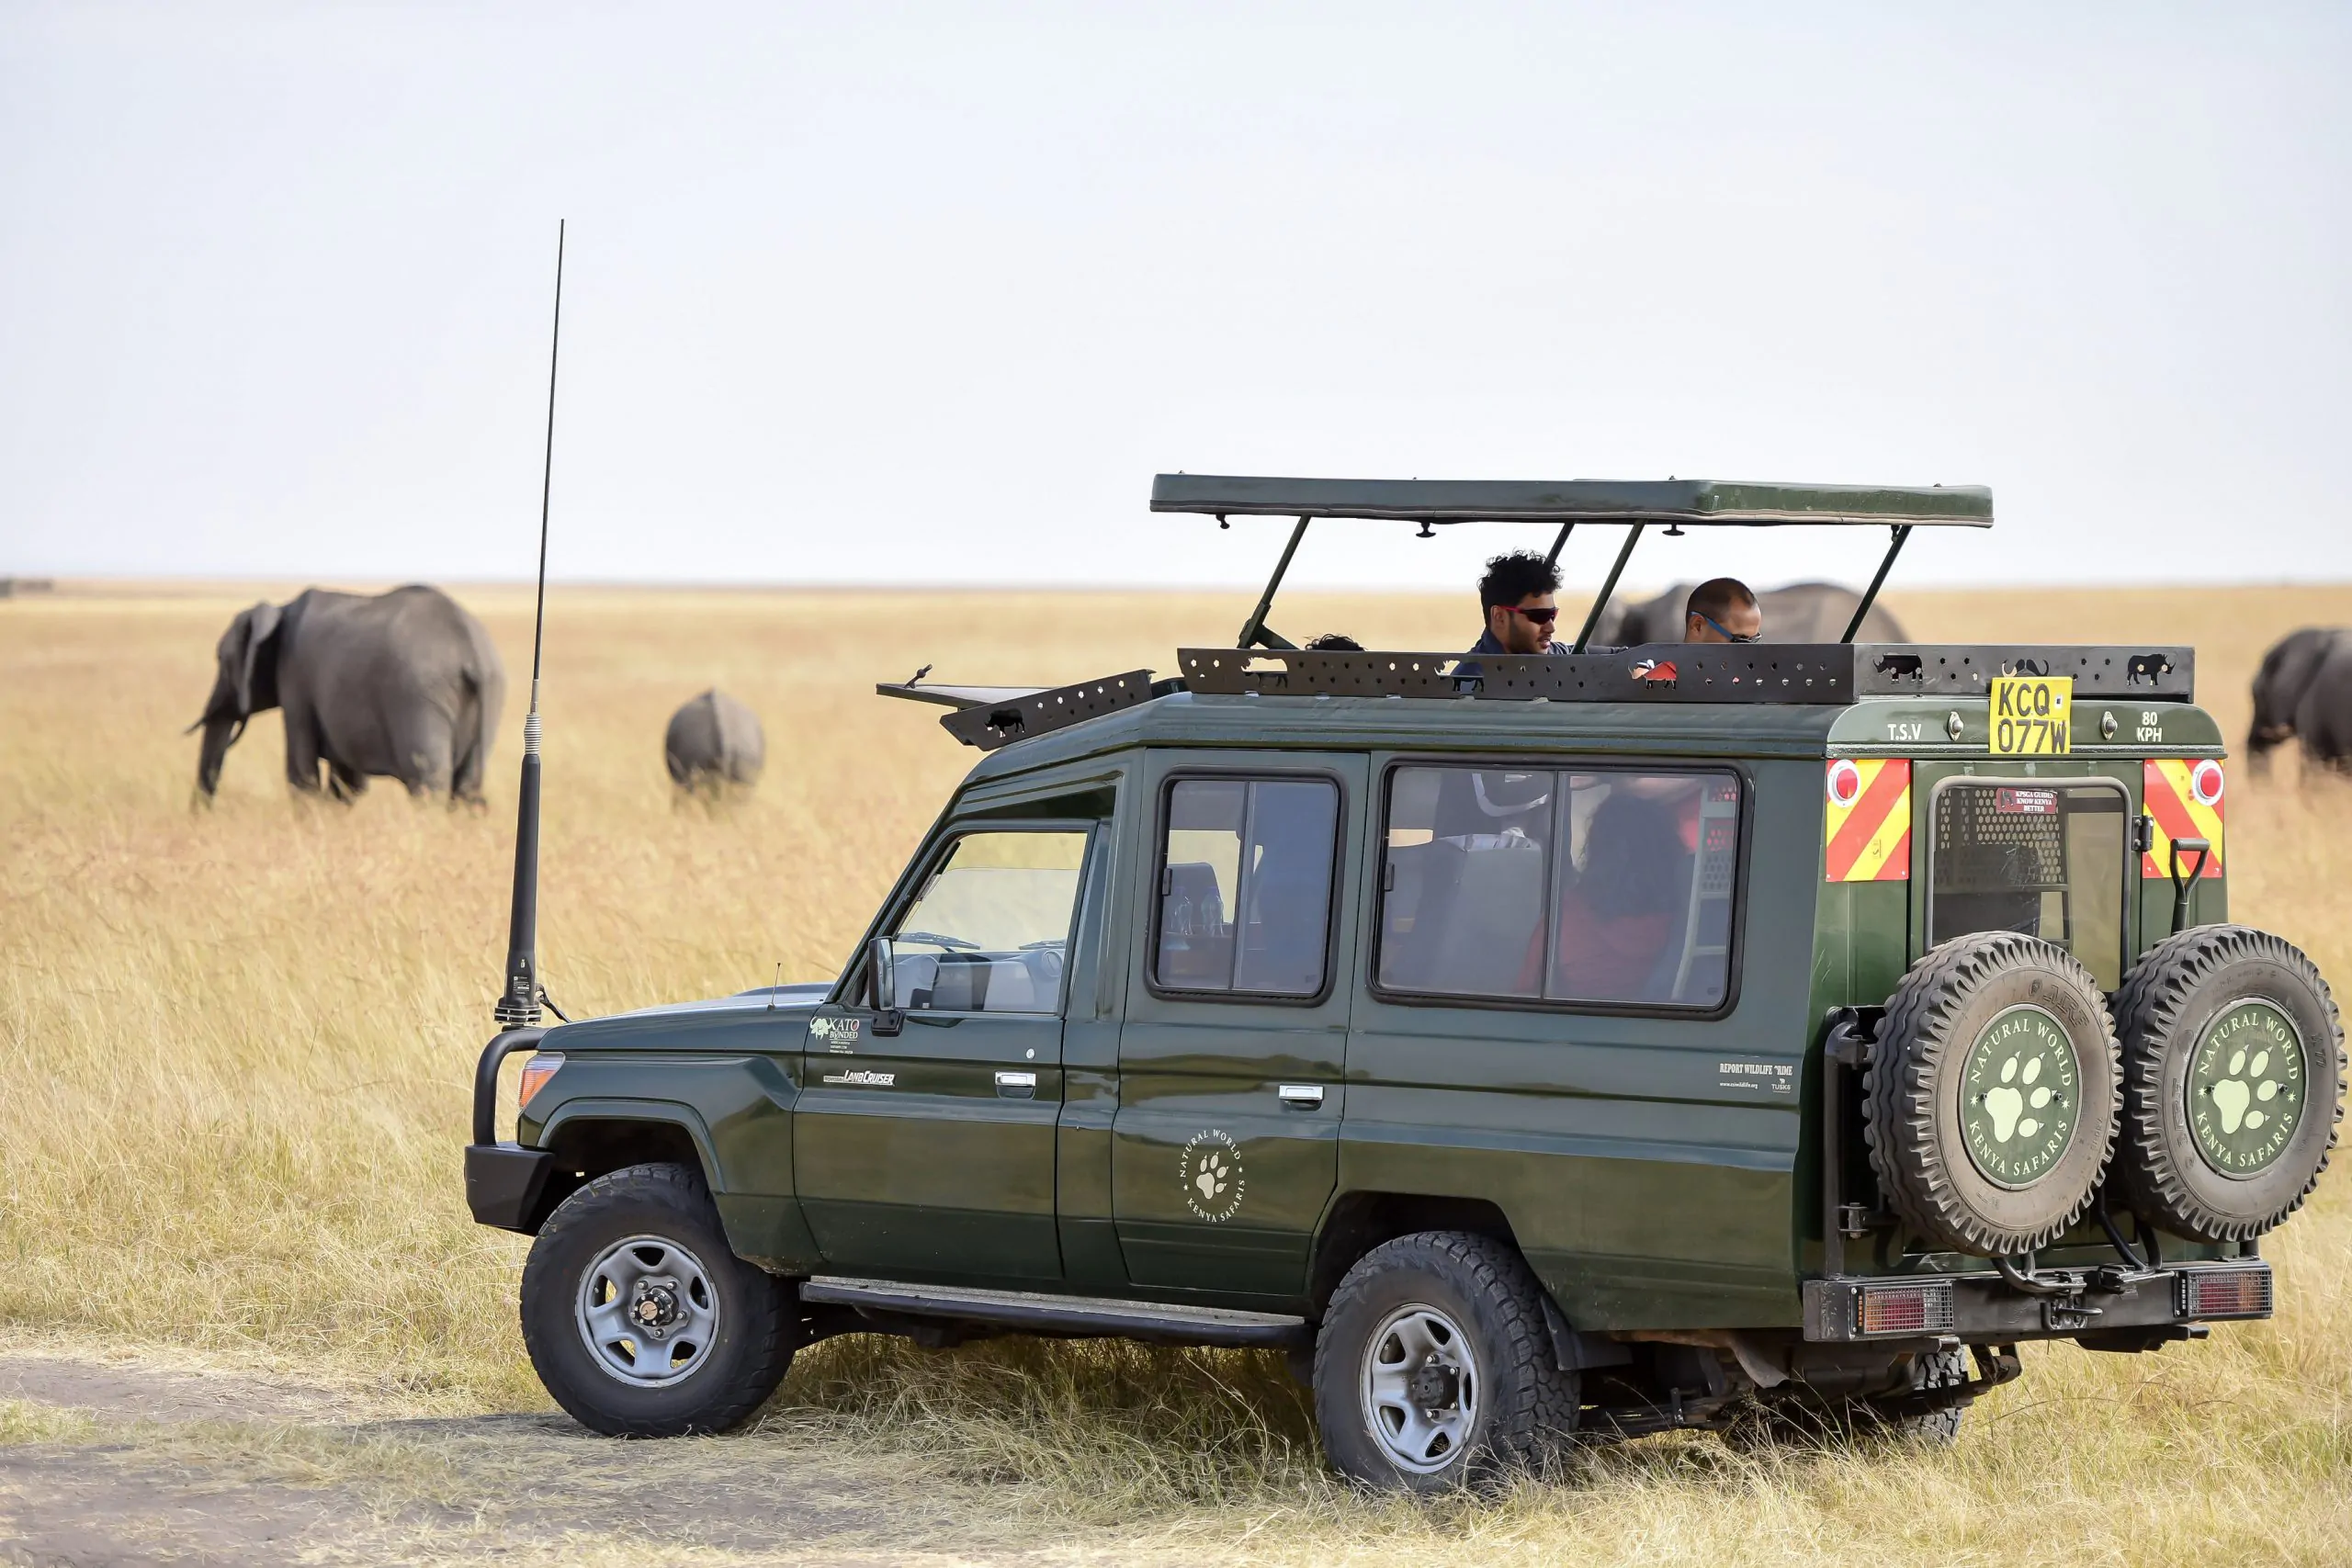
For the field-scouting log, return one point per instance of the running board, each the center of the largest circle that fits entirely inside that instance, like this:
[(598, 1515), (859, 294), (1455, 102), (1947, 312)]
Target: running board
[(1099, 1315)]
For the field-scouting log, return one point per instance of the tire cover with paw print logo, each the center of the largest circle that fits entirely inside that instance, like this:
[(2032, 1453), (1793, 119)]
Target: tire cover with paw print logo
[(2233, 1082), (1992, 1094)]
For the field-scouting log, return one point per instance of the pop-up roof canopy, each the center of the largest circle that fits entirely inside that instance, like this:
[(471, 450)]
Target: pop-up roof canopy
[(1676, 503), (1706, 502)]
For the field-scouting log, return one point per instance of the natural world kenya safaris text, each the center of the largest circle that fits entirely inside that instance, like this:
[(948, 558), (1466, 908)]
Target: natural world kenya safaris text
[(250, 1035)]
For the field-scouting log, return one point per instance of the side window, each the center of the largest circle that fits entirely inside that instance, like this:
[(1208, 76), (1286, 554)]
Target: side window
[(989, 931), (1600, 886), (1245, 886)]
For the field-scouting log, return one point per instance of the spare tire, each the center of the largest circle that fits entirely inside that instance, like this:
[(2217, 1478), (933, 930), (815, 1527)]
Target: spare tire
[(1992, 1094), (2233, 1082)]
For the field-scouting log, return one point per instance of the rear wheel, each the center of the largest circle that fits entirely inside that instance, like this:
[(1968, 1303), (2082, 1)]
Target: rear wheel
[(1433, 1367), (1927, 1411), (639, 1320)]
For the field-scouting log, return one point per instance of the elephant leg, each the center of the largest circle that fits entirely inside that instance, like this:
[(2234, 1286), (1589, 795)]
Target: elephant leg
[(425, 761), (347, 783), (302, 749)]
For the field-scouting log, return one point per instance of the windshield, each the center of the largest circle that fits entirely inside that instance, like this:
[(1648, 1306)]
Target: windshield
[(987, 932), (2040, 857)]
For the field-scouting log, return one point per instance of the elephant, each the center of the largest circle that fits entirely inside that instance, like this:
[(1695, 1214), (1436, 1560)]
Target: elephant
[(403, 686), (2303, 691), (1803, 612), (714, 744)]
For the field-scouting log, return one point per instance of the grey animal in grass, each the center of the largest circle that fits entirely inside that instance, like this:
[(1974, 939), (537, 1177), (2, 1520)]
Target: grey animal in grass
[(1803, 612), (401, 686), (714, 744), (2303, 692)]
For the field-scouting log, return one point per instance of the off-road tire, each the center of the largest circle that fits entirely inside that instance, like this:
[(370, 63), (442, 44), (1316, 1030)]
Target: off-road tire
[(1526, 1404), (756, 1331), (1914, 1094), (1929, 1413), (2185, 986)]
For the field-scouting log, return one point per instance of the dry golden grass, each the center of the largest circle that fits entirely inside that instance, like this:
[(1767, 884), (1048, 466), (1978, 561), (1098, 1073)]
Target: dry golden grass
[(239, 1043)]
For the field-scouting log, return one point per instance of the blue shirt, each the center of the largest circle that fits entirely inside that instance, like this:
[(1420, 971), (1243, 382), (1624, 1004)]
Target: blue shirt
[(1488, 643)]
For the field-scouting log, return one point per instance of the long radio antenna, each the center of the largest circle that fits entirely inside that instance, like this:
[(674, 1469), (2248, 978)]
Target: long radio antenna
[(518, 1004)]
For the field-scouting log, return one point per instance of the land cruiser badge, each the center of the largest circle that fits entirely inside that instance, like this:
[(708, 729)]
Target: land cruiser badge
[(1210, 1174)]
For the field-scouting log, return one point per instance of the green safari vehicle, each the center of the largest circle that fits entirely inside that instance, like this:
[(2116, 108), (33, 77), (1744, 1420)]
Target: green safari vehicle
[(1762, 1036)]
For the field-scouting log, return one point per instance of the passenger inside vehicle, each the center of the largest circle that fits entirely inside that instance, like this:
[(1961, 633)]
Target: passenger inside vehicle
[(1607, 885), (1722, 609), (1622, 907)]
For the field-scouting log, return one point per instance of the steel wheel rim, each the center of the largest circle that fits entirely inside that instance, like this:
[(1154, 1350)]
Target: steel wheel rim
[(647, 1311), (1417, 1351)]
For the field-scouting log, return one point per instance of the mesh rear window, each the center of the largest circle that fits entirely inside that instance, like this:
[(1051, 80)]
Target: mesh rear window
[(2046, 860)]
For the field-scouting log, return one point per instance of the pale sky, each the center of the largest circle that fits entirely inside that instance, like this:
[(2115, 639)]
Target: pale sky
[(926, 294)]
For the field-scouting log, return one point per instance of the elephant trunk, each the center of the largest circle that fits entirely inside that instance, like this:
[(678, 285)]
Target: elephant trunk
[(221, 732)]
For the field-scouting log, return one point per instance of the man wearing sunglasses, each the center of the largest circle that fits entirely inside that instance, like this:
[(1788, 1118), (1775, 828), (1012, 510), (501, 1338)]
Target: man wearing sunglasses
[(1722, 609), (1517, 594)]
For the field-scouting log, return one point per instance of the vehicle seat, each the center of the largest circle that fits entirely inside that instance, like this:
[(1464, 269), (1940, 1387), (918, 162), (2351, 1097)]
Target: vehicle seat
[(1480, 942)]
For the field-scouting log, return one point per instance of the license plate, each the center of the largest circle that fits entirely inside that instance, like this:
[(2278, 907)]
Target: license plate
[(2033, 715)]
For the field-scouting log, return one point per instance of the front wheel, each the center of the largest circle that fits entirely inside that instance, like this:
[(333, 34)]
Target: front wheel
[(639, 1319), (1433, 1367)]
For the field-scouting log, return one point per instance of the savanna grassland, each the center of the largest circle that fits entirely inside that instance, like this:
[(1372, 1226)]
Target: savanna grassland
[(238, 1045)]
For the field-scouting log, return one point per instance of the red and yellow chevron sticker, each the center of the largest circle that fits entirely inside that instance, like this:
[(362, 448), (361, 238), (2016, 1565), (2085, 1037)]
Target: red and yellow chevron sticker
[(2185, 799), (1867, 822)]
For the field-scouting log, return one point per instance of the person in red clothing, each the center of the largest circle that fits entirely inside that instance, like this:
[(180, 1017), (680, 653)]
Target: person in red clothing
[(1617, 913)]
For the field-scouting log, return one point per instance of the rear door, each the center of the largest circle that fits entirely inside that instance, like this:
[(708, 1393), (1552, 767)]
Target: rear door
[(929, 1153), (1225, 1144)]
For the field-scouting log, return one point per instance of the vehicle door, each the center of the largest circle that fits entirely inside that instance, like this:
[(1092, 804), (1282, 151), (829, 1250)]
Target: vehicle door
[(1225, 1144), (923, 1139), (1567, 1019)]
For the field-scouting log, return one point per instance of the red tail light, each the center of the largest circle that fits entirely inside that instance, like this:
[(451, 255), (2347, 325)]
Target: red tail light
[(1903, 1309), (2225, 1292)]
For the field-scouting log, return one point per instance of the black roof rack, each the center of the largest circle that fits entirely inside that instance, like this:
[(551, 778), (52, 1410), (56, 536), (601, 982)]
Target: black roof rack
[(991, 725), (957, 697), (1695, 672)]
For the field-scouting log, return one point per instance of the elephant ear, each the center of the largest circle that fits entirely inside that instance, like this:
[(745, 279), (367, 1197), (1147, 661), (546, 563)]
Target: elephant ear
[(259, 624)]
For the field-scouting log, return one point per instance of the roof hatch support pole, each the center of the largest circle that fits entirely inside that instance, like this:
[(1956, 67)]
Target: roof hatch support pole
[(1870, 594), (1632, 535), (1551, 556), (1254, 631)]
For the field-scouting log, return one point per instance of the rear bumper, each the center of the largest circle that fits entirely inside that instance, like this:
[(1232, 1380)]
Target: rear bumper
[(504, 1183), (1986, 1309)]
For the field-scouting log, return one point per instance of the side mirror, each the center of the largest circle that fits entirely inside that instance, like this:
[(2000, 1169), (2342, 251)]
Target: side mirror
[(882, 986)]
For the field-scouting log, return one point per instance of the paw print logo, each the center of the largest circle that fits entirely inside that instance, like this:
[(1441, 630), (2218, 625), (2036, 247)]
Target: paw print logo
[(1211, 1178), (2018, 1119), (2247, 1089), (2243, 1103), (2017, 1103)]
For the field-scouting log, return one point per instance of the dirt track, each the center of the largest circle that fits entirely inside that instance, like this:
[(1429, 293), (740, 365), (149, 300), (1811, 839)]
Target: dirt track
[(121, 1462)]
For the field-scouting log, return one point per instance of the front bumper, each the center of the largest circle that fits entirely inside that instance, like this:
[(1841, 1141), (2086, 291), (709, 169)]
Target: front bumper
[(2099, 1304), (504, 1183)]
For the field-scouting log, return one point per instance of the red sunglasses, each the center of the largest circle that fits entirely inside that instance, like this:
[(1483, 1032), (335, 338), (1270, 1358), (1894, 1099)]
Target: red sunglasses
[(1541, 617)]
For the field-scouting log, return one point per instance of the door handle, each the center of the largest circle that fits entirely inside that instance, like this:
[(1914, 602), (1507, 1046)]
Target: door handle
[(1301, 1095), (1017, 1086)]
